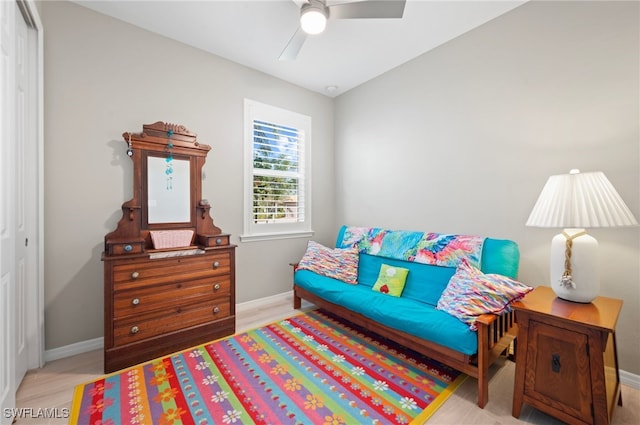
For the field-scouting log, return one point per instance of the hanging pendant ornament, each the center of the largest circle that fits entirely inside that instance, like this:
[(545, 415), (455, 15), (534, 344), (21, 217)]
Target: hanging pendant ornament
[(130, 148), (169, 170)]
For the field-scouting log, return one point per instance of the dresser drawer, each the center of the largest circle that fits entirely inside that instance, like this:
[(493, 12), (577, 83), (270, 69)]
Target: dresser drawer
[(214, 240), (170, 295), (132, 329), (151, 272), (119, 248)]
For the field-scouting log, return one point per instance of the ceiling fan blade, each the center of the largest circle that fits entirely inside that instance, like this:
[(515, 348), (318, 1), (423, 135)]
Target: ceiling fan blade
[(368, 9), (290, 52)]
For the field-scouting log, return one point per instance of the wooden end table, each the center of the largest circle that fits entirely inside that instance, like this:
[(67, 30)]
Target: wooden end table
[(566, 358)]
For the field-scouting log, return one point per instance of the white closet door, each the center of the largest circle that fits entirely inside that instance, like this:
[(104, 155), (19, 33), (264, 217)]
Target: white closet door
[(19, 170), (25, 190), (8, 384)]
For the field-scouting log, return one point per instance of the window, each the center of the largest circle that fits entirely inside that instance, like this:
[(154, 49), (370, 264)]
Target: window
[(277, 186)]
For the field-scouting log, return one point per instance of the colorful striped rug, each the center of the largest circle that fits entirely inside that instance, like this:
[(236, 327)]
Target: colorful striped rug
[(312, 368)]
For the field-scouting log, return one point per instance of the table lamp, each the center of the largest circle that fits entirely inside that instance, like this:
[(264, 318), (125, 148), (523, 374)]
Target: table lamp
[(573, 202)]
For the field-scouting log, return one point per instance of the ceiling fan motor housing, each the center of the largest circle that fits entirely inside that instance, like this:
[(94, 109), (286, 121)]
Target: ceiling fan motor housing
[(313, 17)]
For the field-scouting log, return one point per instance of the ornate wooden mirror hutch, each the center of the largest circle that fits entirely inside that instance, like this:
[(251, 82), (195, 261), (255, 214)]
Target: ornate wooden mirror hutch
[(169, 272)]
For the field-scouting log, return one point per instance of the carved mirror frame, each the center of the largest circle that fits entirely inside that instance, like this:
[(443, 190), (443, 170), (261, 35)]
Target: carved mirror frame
[(176, 142)]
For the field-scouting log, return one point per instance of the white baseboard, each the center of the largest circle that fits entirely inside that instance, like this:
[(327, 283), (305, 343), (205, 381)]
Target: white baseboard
[(626, 378), (261, 302), (73, 349), (630, 379)]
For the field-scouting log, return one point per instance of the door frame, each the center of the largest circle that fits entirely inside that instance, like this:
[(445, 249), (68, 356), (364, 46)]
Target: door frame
[(35, 327)]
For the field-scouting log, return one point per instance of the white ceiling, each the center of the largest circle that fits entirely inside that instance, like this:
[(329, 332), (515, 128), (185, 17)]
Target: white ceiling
[(349, 52)]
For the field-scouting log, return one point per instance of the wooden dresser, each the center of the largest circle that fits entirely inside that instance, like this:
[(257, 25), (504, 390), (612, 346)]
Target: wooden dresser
[(155, 306), (161, 300), (566, 360)]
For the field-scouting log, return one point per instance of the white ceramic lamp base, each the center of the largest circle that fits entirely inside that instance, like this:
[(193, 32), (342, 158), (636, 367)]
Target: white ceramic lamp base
[(585, 273)]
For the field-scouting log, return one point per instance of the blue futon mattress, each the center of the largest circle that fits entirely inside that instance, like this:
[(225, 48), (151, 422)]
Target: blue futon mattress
[(401, 313)]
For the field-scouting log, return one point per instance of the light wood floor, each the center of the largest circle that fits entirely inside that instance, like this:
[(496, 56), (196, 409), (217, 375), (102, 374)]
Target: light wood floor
[(52, 386)]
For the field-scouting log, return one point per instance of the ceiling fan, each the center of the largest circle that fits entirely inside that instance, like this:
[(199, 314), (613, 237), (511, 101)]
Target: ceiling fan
[(315, 13)]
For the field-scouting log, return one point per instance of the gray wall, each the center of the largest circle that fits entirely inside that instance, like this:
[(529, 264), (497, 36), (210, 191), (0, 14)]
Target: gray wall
[(463, 138), (104, 77)]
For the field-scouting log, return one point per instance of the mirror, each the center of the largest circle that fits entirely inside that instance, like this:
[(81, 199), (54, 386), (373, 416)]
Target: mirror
[(168, 190)]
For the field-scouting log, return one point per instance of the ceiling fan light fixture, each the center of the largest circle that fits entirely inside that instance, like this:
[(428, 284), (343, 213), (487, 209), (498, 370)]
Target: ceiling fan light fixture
[(313, 17)]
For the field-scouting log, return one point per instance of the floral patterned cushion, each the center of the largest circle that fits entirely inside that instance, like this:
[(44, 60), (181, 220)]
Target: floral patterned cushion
[(338, 263), (391, 280), (471, 293)]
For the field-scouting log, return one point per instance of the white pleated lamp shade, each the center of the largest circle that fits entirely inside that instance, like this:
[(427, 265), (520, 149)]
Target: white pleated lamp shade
[(576, 201), (580, 200)]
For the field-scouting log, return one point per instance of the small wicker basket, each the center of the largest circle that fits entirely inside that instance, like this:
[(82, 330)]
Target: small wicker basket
[(163, 239)]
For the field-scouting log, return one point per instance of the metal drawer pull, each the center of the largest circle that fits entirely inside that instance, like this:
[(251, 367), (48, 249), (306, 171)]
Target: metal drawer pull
[(216, 310), (135, 301), (555, 363), (216, 264), (135, 275), (216, 287), (135, 330)]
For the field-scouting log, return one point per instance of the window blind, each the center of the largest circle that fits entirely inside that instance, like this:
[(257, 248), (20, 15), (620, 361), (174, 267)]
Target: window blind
[(278, 173)]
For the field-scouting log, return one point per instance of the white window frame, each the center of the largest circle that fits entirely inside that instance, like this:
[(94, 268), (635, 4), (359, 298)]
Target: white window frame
[(253, 111)]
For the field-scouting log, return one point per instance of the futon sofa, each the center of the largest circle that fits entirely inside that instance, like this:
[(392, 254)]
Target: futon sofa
[(438, 312)]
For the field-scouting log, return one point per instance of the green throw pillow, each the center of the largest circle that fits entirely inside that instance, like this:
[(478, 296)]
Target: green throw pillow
[(391, 280)]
